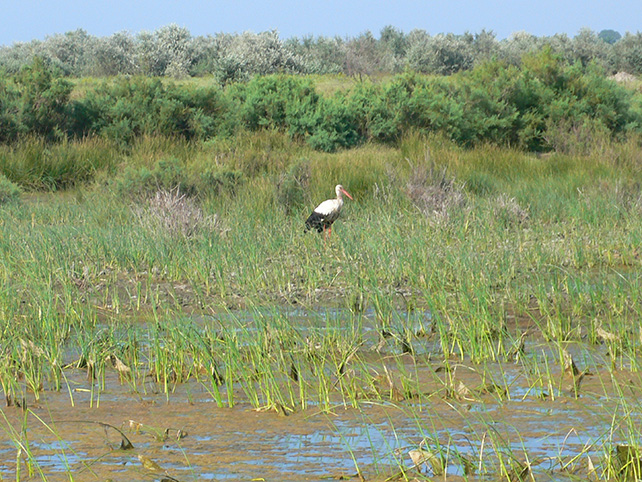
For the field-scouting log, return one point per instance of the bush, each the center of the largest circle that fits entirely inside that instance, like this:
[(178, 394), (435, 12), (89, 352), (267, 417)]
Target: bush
[(167, 174), (8, 190), (126, 108), (275, 101), (44, 101), (531, 106), (328, 127)]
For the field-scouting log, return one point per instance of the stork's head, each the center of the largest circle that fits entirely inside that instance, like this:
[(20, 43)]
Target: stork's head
[(340, 192)]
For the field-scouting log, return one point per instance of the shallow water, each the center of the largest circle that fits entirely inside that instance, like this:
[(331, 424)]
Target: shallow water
[(190, 438)]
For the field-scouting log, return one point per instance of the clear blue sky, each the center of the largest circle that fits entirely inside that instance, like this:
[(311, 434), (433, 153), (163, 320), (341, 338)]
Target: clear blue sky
[(24, 20)]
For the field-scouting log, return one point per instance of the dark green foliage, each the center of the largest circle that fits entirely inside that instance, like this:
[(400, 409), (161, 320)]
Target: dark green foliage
[(497, 103), (129, 107), (291, 104), (170, 173), (494, 102), (9, 111), (609, 36), (275, 101), (44, 101), (330, 126)]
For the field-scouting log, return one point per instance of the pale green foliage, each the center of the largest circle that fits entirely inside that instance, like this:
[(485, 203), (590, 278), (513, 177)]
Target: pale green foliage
[(320, 55), (366, 56), (519, 44), (238, 57), (587, 47), (175, 44), (485, 46), (260, 54), (628, 53), (172, 51), (71, 52), (442, 54), (19, 54), (115, 55), (167, 51), (418, 41)]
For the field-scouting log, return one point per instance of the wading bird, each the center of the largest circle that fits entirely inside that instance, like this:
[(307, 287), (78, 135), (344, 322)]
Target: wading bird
[(326, 213)]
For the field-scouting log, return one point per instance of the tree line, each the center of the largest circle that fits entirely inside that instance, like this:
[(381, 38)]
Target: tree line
[(172, 51)]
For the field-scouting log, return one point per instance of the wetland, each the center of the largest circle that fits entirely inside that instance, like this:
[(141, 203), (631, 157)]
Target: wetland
[(475, 315)]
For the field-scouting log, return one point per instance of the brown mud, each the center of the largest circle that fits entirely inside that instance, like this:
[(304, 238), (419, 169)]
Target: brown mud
[(492, 422)]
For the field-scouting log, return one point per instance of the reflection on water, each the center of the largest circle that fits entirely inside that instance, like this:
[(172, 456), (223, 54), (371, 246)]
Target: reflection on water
[(540, 421)]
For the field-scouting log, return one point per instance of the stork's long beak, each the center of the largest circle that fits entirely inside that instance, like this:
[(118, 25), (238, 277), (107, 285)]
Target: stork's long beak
[(346, 193)]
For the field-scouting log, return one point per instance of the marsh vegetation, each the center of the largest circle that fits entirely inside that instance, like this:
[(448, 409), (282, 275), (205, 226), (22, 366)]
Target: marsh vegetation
[(475, 315)]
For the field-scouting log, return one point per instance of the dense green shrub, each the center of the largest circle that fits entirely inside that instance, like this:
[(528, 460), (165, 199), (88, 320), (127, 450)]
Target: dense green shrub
[(274, 101), (44, 101), (330, 125), (291, 104), (129, 107), (498, 103), (9, 109)]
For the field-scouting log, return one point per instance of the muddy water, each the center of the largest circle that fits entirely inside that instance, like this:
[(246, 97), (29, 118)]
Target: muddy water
[(120, 435)]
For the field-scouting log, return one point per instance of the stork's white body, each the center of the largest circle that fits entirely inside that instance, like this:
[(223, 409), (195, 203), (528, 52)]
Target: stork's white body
[(327, 212), (330, 209)]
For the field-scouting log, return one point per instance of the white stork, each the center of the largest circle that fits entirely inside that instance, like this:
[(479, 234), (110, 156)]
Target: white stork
[(327, 212)]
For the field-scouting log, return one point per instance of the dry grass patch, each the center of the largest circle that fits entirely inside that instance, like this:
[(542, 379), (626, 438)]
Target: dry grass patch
[(435, 193), (177, 215)]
